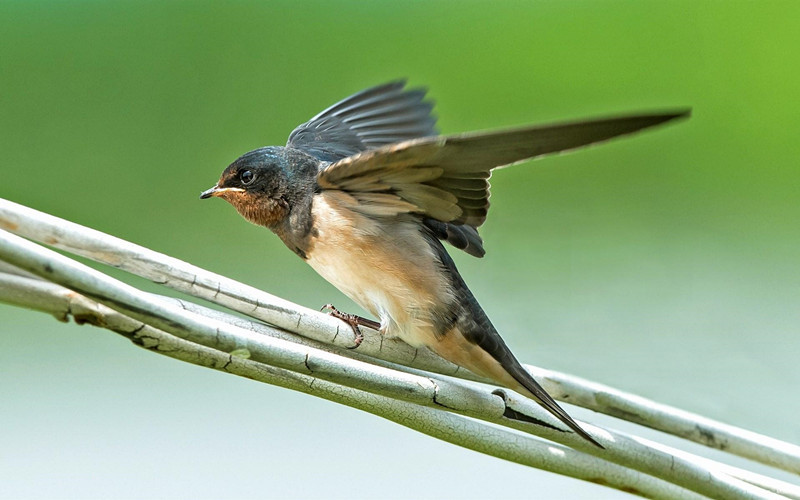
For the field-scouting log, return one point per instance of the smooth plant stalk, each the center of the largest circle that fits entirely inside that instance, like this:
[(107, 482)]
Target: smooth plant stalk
[(526, 450), (200, 283), (428, 391)]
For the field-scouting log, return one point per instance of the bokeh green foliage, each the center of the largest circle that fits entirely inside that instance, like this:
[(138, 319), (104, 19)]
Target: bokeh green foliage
[(672, 255)]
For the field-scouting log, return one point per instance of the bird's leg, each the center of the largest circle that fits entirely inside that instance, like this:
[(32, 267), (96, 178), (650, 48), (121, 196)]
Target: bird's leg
[(354, 321)]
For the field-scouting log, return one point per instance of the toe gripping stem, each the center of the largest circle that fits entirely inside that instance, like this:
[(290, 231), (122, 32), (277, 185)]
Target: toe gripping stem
[(354, 321)]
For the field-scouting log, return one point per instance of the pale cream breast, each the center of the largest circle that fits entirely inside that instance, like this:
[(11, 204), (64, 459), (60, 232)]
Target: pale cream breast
[(386, 266)]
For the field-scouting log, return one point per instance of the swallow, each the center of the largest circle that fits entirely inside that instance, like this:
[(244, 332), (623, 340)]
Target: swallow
[(367, 191)]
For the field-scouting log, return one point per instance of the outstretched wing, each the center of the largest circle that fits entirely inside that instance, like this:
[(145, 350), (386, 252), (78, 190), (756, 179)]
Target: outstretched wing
[(445, 178), (375, 117), (372, 118)]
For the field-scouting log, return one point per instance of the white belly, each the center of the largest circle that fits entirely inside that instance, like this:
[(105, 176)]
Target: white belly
[(387, 268)]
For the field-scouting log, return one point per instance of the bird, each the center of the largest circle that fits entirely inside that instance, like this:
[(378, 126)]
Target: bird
[(367, 192)]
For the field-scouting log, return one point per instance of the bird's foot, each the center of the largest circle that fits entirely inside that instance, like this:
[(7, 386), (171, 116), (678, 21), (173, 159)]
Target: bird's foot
[(354, 321)]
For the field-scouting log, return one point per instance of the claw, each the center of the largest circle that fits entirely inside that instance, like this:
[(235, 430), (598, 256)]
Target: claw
[(359, 337), (353, 320)]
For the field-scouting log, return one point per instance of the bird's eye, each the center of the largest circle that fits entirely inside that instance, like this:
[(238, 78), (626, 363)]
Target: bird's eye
[(246, 176)]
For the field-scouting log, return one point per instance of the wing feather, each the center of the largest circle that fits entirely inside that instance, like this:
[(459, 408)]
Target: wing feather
[(446, 178), (438, 203), (375, 117)]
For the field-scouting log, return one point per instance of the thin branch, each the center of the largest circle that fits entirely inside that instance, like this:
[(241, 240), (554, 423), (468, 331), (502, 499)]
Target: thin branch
[(203, 284), (261, 305), (60, 302), (56, 300), (427, 391), (681, 423), (523, 449)]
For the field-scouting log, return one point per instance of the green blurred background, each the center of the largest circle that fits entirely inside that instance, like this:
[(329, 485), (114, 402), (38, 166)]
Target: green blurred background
[(665, 264)]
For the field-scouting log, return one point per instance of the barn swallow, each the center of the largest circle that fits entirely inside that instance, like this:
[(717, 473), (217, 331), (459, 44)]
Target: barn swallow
[(366, 192)]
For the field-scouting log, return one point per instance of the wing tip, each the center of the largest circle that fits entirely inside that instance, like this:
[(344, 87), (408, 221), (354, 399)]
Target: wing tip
[(674, 114), (394, 84), (653, 119)]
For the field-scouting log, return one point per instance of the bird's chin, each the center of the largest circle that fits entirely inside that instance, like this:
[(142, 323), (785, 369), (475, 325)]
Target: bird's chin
[(258, 210)]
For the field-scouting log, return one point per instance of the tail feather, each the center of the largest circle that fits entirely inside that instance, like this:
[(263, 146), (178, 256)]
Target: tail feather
[(532, 389), (492, 357)]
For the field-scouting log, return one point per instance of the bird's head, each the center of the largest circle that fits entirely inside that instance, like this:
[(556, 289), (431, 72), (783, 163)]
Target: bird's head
[(257, 185)]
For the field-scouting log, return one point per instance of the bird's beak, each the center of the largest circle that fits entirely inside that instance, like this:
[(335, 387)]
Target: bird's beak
[(218, 191), (208, 193)]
